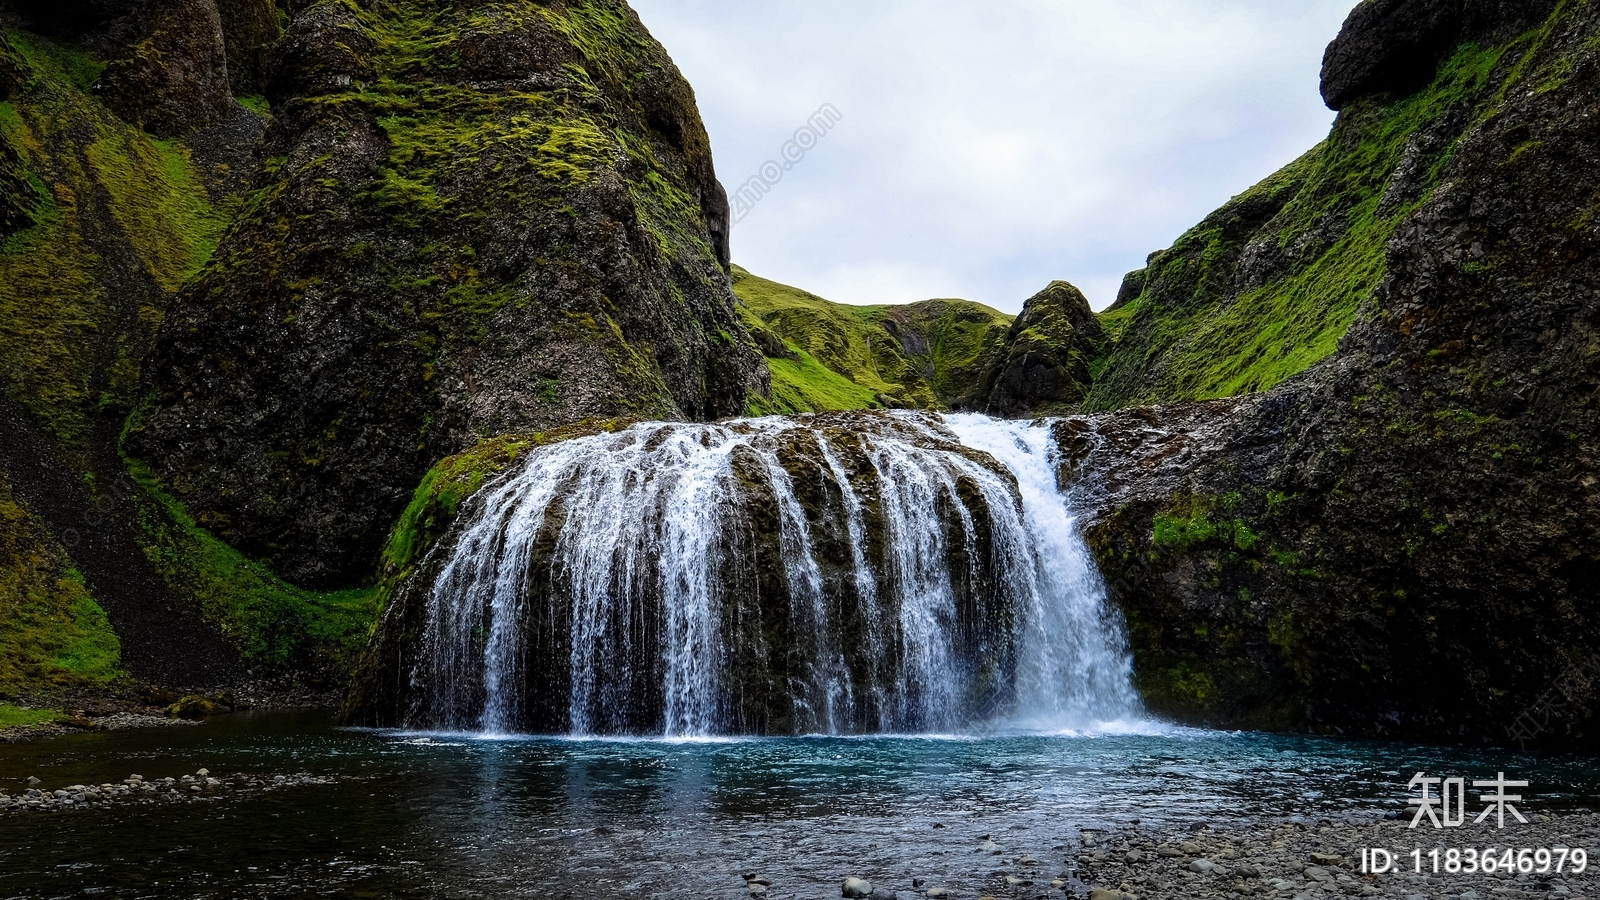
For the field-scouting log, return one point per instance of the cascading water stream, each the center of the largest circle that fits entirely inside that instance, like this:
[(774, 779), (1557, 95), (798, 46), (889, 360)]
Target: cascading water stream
[(864, 574)]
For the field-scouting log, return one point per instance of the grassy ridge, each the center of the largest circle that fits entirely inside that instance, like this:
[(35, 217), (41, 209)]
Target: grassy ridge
[(828, 356), (1266, 286)]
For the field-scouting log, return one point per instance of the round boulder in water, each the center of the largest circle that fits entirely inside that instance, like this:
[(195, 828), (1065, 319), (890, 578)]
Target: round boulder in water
[(857, 887)]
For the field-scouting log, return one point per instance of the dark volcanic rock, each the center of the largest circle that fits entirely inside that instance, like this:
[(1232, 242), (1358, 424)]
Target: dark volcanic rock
[(13, 74), (17, 196), (1044, 366), (249, 28), (1394, 46), (175, 80), (444, 246), (1405, 540)]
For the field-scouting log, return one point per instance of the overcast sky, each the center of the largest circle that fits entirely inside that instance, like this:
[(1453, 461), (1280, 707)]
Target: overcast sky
[(987, 148)]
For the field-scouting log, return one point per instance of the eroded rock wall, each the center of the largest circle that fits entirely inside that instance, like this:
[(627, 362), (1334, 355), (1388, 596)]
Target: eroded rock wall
[(474, 220), (1404, 540)]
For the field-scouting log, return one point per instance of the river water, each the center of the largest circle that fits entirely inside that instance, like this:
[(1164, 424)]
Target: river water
[(414, 815)]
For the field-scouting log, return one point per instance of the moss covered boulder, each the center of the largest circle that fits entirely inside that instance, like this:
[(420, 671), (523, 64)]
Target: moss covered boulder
[(475, 219), (1043, 366), (175, 80)]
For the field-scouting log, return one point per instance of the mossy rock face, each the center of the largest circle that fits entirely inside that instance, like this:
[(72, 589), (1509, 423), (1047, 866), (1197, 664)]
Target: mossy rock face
[(249, 29), (451, 240), (114, 222), (1394, 46), (1401, 542), (175, 80), (1043, 365), (53, 636), (18, 199), (13, 70)]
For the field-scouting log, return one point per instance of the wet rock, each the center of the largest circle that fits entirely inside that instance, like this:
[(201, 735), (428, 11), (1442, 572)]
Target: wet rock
[(988, 846), (1326, 859), (856, 888)]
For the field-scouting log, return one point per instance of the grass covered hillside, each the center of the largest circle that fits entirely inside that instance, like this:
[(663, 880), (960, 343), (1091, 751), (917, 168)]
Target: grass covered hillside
[(1267, 285), (828, 357), (112, 221), (53, 636)]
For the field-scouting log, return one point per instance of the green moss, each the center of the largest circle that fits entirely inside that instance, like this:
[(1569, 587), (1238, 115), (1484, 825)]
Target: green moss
[(68, 339), (52, 633), (256, 104), (1317, 233), (271, 621), (18, 717), (827, 356)]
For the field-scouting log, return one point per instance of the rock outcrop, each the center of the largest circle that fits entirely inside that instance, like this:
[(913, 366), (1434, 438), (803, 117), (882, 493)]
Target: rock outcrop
[(1395, 46), (1042, 368), (476, 221), (174, 81), (249, 29), (1404, 540)]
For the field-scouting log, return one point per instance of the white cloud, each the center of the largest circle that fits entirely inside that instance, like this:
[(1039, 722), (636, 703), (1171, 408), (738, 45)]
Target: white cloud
[(989, 148)]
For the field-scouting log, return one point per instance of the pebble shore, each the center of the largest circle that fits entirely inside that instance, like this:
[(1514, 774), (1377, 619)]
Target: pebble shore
[(1285, 860), (1320, 861), (137, 790)]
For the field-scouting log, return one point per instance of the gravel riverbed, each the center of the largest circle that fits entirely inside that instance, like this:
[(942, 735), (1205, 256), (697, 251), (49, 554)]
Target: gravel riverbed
[(136, 789)]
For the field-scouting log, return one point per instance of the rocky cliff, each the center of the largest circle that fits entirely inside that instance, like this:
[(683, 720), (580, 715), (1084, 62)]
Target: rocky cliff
[(1401, 541), (471, 220), (460, 221)]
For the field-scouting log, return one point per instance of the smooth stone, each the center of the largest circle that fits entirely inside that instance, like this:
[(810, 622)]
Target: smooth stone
[(856, 887), (203, 772), (1327, 859), (32, 780), (1202, 866), (756, 890), (937, 892), (988, 846)]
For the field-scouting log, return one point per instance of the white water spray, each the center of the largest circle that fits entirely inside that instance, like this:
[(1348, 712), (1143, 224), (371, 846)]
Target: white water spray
[(835, 575)]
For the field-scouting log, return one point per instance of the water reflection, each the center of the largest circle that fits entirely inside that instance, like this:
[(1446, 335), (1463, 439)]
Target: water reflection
[(446, 816)]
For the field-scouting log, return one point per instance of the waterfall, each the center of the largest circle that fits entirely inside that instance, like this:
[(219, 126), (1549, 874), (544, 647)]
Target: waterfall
[(826, 574)]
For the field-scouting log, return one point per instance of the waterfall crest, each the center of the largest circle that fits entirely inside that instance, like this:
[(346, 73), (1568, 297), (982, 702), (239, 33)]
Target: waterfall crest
[(825, 574)]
